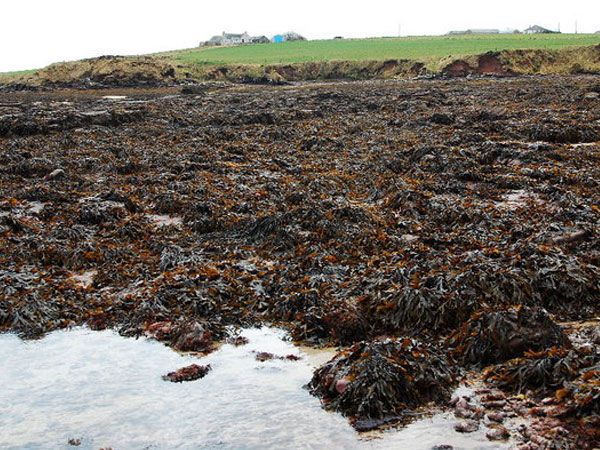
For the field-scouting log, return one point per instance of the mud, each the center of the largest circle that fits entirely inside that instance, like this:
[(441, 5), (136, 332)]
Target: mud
[(487, 64), (342, 211)]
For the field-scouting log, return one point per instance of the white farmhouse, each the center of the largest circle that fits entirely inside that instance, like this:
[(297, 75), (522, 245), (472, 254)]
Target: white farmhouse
[(230, 39)]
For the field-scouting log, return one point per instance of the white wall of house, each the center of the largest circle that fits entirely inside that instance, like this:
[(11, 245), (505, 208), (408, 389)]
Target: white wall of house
[(230, 40)]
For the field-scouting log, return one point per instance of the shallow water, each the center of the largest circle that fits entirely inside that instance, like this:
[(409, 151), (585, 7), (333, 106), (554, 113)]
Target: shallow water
[(107, 391), (164, 220)]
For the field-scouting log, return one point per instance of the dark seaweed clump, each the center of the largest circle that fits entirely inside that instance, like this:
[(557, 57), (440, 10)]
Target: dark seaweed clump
[(493, 336), (372, 380), (343, 212), (584, 392), (543, 371)]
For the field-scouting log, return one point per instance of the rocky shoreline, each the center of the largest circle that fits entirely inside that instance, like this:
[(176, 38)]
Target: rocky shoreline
[(433, 229)]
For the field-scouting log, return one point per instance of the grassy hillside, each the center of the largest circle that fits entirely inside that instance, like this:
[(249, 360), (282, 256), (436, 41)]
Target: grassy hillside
[(11, 75), (332, 59), (416, 48)]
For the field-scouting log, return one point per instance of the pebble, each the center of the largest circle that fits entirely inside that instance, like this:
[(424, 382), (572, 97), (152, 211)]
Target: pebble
[(496, 417), (468, 426), (342, 385), (497, 433), (463, 413), (494, 404), (537, 411), (264, 356), (189, 373)]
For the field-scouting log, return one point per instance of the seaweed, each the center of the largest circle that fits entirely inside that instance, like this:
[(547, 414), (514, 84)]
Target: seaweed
[(390, 377), (493, 336), (343, 212), (189, 373), (544, 371)]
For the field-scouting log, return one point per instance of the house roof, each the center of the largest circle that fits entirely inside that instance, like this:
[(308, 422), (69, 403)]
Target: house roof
[(234, 35), (483, 31), (537, 28), (475, 31)]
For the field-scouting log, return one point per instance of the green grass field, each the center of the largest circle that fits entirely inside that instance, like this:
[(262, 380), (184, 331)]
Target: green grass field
[(417, 48), (9, 75), (432, 50)]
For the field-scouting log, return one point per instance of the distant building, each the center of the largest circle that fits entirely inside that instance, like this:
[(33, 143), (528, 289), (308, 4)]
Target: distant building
[(536, 29), (474, 31), (260, 40), (230, 39), (483, 31), (235, 39)]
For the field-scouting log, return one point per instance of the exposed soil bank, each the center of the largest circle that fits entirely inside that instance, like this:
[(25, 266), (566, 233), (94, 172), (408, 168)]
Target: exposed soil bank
[(148, 71)]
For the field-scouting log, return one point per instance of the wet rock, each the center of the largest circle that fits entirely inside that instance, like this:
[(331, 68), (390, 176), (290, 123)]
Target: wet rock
[(497, 433), (464, 409), (494, 404), (237, 341), (492, 336), (342, 385), (491, 396), (185, 336), (75, 442), (264, 356), (364, 425), (189, 373), (473, 413), (498, 417), (468, 426), (383, 378), (56, 174)]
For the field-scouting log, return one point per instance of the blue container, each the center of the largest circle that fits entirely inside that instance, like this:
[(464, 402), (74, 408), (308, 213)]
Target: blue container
[(278, 39)]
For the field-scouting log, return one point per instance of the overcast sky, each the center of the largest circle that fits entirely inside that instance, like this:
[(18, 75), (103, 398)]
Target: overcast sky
[(34, 33)]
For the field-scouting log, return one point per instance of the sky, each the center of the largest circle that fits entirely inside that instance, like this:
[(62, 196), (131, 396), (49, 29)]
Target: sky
[(35, 33)]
